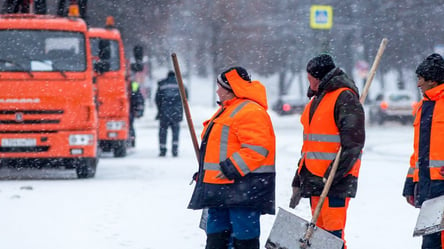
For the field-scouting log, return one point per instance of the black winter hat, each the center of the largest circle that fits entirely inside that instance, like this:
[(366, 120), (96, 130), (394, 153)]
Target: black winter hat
[(432, 68), (320, 65), (222, 80)]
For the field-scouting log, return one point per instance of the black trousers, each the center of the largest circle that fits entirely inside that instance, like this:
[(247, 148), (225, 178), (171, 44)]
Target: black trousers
[(163, 132), (433, 241), (132, 131)]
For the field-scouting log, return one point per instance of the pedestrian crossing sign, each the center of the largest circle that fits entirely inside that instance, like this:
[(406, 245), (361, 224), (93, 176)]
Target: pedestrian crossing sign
[(321, 17)]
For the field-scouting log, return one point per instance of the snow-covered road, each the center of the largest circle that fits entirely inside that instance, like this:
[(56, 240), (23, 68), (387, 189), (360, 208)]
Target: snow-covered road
[(139, 202)]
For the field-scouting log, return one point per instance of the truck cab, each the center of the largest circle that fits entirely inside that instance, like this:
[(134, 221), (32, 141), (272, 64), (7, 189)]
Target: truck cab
[(112, 89), (47, 104)]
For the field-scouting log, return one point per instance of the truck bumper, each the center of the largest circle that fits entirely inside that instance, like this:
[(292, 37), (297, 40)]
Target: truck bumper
[(52, 145)]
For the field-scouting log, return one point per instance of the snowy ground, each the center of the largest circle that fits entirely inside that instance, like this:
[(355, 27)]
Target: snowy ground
[(139, 202)]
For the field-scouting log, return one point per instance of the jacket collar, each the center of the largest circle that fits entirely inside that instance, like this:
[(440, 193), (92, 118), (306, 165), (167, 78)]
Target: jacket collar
[(435, 93)]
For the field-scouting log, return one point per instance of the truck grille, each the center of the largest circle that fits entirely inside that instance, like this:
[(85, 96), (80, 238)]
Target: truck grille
[(19, 117), (35, 121), (33, 132), (23, 149), (9, 112)]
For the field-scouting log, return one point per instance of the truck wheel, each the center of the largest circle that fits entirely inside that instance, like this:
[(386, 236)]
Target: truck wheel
[(120, 149), (86, 168)]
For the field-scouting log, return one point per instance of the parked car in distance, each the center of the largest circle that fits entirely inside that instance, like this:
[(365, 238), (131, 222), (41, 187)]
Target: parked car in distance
[(289, 104), (397, 105)]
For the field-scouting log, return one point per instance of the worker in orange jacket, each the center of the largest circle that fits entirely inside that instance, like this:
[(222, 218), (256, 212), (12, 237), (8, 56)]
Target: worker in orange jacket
[(333, 118), (236, 177), (425, 178)]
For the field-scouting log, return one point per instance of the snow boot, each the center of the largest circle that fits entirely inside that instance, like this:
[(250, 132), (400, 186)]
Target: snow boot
[(175, 151), (218, 240), (246, 244)]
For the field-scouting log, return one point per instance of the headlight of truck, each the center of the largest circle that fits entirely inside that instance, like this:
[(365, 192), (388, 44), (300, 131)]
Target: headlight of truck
[(81, 139), (115, 125)]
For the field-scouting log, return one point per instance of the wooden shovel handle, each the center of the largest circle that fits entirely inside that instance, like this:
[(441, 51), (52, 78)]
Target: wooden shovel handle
[(372, 72), (183, 96)]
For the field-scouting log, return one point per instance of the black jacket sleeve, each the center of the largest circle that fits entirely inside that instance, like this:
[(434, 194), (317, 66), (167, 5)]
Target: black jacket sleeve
[(409, 187)]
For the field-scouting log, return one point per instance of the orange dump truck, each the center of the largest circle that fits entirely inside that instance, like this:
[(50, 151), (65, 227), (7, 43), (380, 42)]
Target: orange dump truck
[(112, 90), (48, 113)]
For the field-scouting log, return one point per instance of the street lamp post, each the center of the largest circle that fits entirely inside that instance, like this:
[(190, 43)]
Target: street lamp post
[(321, 18)]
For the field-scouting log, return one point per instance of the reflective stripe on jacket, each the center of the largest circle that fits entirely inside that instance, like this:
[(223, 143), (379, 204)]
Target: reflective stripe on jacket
[(321, 137)]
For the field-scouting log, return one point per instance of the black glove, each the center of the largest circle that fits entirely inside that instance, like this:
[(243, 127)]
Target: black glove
[(194, 178), (295, 197)]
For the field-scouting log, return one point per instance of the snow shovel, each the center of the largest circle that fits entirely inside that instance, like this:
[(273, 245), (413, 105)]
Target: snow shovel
[(431, 217), (292, 232), (288, 227)]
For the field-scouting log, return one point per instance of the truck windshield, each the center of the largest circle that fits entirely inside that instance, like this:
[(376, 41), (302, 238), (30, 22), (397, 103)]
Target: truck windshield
[(42, 50), (114, 59)]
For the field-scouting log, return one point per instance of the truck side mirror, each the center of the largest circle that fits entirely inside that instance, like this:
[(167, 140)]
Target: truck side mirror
[(101, 66), (104, 50), (138, 53), (138, 56)]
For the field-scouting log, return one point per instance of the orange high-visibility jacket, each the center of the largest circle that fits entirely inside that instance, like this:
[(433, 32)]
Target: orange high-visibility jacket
[(321, 137), (243, 133), (240, 134), (428, 155)]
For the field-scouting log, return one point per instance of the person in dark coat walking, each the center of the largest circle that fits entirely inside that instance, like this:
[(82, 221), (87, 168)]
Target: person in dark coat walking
[(137, 107), (333, 118), (425, 177), (169, 112)]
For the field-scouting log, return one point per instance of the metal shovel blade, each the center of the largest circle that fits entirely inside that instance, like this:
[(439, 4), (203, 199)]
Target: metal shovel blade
[(289, 228), (431, 217), (203, 219)]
